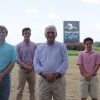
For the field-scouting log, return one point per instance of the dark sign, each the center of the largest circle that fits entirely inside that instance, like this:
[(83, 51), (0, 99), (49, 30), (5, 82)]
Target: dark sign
[(71, 31)]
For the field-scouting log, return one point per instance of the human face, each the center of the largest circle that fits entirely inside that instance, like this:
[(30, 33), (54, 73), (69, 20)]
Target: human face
[(88, 45), (50, 35), (27, 35), (2, 36)]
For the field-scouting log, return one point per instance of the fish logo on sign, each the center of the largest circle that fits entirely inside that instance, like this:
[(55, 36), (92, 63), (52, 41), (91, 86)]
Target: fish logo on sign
[(70, 27)]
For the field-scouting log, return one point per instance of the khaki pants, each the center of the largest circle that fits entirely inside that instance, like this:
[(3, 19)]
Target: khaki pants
[(22, 78), (55, 90)]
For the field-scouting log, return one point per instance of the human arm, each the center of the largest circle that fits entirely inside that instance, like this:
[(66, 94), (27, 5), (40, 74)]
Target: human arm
[(7, 70), (96, 66), (82, 70), (19, 60), (81, 65), (24, 65), (93, 72), (64, 66), (37, 64), (10, 65)]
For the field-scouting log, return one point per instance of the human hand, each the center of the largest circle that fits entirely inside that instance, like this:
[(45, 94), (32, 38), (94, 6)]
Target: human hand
[(88, 77), (50, 76), (1, 76), (28, 69)]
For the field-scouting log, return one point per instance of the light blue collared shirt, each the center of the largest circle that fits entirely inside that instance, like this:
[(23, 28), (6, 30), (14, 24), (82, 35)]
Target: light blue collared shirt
[(51, 58)]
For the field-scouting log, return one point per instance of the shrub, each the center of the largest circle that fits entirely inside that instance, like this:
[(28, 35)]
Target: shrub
[(75, 46)]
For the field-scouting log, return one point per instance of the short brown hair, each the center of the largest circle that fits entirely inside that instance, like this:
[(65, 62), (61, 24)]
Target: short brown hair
[(25, 29), (88, 39), (3, 28)]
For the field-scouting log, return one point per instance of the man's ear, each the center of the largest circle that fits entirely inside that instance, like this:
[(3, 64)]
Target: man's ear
[(6, 34), (45, 35), (56, 35), (22, 34)]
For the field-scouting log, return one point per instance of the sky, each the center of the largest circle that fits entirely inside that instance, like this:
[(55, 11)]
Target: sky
[(37, 14)]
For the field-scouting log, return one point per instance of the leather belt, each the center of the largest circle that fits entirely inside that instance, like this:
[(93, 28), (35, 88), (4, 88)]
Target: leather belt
[(94, 74)]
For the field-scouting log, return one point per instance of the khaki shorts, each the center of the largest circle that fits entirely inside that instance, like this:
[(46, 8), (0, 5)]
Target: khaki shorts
[(89, 87)]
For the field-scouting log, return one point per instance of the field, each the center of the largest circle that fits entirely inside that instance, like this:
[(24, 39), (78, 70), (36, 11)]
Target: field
[(72, 79)]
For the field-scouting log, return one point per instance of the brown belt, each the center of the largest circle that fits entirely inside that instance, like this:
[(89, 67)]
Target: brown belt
[(94, 74)]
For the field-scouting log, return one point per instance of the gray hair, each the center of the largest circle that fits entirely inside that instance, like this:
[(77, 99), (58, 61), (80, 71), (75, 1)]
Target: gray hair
[(3, 28), (51, 27)]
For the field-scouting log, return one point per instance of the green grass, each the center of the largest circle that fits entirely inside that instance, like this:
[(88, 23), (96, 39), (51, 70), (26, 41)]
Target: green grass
[(72, 61), (73, 52)]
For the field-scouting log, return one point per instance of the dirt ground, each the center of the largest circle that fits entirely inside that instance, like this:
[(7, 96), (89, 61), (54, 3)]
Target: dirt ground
[(72, 79)]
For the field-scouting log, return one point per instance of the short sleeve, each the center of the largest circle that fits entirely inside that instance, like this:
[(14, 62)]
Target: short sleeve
[(98, 58), (13, 54), (79, 59)]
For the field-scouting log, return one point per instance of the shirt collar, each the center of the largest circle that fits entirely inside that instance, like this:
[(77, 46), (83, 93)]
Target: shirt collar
[(88, 51), (2, 43), (26, 43), (51, 44)]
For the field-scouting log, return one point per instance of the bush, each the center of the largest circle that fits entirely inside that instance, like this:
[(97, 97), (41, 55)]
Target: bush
[(97, 44), (75, 46)]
